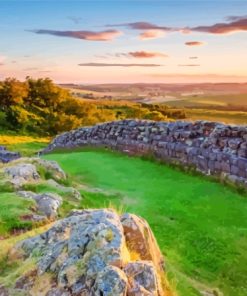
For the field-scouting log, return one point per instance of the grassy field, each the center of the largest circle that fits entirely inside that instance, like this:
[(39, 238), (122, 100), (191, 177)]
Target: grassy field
[(26, 145), (201, 226), (228, 117), (12, 208), (236, 100)]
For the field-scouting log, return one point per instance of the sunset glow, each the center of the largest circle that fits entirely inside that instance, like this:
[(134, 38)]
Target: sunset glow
[(124, 41)]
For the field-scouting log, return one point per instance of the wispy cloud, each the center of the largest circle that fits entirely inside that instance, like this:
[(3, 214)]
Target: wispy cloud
[(194, 43), (232, 18), (193, 58), (142, 26), (116, 65), (75, 19), (237, 24), (107, 35), (150, 30), (189, 65), (142, 54)]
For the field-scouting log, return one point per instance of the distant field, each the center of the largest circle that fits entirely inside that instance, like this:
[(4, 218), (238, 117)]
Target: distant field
[(232, 100), (217, 102), (200, 225), (228, 117)]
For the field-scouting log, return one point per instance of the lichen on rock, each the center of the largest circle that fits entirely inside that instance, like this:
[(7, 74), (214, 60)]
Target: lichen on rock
[(88, 253)]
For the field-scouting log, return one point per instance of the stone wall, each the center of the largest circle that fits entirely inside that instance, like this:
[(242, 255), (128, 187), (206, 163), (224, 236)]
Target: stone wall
[(7, 156), (209, 147)]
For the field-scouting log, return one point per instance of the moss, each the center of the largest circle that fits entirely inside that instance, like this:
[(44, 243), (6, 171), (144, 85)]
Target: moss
[(109, 235)]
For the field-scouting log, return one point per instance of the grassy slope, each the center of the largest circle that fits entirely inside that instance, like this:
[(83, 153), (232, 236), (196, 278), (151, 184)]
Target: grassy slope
[(201, 107), (201, 226), (26, 145), (228, 117), (211, 100), (12, 208)]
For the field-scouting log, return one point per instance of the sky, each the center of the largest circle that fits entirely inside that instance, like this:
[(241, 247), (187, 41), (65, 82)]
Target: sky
[(117, 41)]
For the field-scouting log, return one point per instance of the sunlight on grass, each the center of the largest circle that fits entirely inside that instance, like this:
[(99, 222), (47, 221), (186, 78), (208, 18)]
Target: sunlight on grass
[(10, 140), (7, 244), (26, 145), (199, 224)]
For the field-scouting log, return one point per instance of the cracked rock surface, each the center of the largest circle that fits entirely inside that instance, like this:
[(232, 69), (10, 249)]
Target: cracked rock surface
[(88, 253)]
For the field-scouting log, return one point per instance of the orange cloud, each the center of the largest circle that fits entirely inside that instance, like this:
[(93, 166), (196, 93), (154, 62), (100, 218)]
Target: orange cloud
[(152, 34), (116, 65), (194, 43), (107, 35), (143, 54), (150, 31)]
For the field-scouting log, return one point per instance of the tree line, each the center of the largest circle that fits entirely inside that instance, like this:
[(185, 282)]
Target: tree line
[(41, 107)]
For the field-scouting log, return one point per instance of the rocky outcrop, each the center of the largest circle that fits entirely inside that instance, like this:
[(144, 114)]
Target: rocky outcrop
[(29, 170), (7, 156), (47, 203), (21, 174), (209, 147), (90, 253), (34, 171)]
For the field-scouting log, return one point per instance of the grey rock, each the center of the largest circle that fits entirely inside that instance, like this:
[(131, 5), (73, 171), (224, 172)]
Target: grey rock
[(111, 281), (21, 174), (143, 279), (88, 252), (47, 203)]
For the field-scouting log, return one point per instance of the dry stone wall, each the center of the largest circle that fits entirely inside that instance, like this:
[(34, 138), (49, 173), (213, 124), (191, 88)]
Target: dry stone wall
[(209, 147)]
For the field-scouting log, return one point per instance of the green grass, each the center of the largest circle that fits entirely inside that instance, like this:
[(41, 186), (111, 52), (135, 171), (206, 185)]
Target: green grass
[(11, 209), (27, 149), (27, 145), (201, 226)]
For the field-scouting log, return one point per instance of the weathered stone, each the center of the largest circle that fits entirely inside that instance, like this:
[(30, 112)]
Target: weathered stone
[(142, 279), (141, 240), (88, 253), (47, 203), (22, 173), (111, 281)]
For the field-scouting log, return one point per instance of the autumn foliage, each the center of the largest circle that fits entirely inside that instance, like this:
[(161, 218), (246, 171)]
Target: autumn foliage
[(41, 107)]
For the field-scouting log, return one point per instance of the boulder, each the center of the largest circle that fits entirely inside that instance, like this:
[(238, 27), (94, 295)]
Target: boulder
[(21, 174), (70, 190), (87, 254), (29, 170), (51, 167), (47, 203)]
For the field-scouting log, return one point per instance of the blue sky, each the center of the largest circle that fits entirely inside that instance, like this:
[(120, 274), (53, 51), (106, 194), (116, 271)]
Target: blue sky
[(69, 40)]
